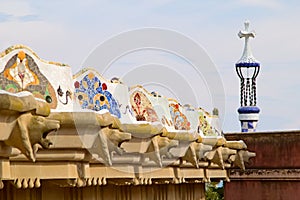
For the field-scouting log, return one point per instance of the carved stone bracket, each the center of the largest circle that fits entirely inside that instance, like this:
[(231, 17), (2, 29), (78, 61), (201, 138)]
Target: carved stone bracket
[(24, 125), (108, 142), (221, 155), (159, 148)]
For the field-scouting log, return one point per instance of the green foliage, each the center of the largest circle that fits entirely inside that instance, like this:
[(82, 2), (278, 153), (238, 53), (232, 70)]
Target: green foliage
[(212, 192)]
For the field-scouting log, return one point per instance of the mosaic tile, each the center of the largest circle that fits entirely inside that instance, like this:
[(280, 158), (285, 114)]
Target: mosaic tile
[(142, 107), (179, 119), (204, 126), (94, 95), (21, 73)]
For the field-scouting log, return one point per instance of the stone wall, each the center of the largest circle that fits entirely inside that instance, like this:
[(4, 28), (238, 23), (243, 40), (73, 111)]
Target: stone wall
[(275, 171)]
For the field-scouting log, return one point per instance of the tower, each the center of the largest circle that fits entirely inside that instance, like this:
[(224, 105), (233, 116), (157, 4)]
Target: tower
[(247, 68)]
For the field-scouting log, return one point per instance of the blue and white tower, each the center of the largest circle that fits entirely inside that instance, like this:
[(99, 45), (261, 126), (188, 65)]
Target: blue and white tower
[(247, 68)]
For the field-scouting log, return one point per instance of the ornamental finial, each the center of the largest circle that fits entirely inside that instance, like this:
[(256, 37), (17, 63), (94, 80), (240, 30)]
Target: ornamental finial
[(247, 56), (246, 23)]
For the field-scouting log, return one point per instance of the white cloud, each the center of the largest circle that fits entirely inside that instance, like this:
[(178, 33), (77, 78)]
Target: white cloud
[(16, 8)]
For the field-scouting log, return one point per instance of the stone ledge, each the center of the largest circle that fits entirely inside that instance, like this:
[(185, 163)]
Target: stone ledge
[(265, 174)]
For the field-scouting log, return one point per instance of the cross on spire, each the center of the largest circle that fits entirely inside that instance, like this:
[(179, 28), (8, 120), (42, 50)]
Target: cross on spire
[(247, 56)]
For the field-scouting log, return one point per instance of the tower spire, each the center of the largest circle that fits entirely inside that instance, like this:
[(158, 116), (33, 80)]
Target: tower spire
[(247, 68)]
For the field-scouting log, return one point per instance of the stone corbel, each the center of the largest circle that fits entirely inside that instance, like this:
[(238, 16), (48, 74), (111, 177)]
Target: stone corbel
[(220, 155), (165, 144), (197, 151), (227, 152), (153, 151), (235, 145), (159, 148), (242, 154), (191, 155), (23, 124), (201, 149), (185, 150), (216, 157), (240, 158), (27, 131), (107, 142)]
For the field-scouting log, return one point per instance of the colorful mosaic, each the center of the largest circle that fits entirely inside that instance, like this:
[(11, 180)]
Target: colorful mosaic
[(179, 119), (204, 126), (142, 107), (93, 95), (21, 73)]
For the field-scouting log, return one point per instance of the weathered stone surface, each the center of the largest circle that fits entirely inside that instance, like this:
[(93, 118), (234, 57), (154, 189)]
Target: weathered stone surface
[(29, 130), (249, 190), (23, 102), (273, 149), (273, 173), (23, 122)]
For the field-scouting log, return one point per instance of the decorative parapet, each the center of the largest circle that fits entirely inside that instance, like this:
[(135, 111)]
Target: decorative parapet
[(107, 133), (22, 70)]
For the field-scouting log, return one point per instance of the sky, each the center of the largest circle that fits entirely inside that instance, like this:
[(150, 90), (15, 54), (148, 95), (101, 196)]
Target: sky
[(68, 31)]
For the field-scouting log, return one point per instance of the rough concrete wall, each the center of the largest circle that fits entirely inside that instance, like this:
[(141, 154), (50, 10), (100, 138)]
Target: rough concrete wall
[(262, 190), (276, 167)]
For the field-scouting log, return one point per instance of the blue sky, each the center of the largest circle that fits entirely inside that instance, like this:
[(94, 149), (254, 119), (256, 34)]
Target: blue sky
[(67, 31)]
